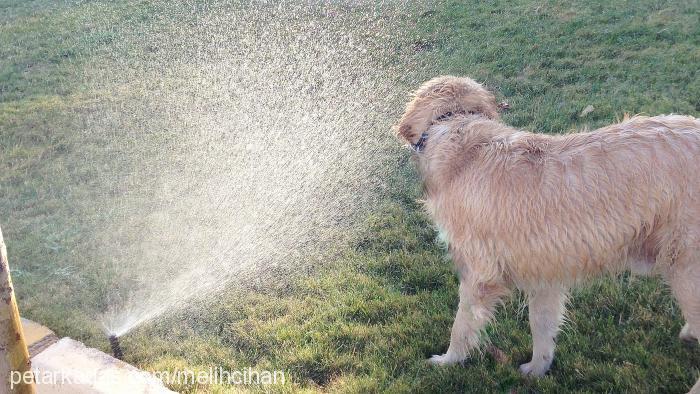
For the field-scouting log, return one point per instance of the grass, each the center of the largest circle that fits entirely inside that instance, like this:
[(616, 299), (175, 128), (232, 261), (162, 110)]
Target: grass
[(366, 321)]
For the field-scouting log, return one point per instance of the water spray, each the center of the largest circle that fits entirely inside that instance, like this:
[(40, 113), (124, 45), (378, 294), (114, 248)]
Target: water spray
[(243, 150), (116, 348)]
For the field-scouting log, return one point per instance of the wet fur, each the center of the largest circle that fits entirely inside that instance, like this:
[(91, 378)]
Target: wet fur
[(545, 212)]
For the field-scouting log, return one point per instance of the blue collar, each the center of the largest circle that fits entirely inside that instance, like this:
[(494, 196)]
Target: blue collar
[(420, 145)]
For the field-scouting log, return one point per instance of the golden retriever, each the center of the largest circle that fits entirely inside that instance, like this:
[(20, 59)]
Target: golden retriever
[(545, 212)]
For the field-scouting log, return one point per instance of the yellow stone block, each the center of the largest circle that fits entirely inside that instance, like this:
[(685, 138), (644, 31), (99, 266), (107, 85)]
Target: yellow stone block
[(37, 336)]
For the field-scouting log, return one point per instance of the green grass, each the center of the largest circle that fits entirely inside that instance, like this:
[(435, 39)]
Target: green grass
[(366, 321)]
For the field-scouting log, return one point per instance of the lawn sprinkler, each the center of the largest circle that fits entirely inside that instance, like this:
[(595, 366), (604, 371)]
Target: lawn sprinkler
[(116, 349)]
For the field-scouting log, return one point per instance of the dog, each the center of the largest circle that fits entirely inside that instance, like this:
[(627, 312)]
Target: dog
[(544, 213)]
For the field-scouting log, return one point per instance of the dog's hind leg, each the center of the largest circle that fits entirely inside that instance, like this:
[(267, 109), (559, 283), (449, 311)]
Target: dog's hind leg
[(477, 303), (546, 309), (684, 279)]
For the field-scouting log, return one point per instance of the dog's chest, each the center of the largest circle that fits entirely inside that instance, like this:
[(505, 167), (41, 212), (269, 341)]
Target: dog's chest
[(442, 236), (433, 208)]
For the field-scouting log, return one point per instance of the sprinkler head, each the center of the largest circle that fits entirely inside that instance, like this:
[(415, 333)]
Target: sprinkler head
[(116, 349)]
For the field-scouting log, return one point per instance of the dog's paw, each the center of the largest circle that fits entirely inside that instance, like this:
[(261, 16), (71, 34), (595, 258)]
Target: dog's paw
[(687, 335), (445, 359), (534, 369)]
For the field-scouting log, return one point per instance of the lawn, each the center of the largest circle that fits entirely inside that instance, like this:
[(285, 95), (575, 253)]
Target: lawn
[(365, 318)]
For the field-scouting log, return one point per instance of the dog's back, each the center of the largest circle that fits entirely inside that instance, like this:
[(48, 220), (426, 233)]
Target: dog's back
[(570, 206)]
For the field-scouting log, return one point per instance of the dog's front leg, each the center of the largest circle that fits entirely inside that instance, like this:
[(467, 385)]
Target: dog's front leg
[(546, 310), (477, 302)]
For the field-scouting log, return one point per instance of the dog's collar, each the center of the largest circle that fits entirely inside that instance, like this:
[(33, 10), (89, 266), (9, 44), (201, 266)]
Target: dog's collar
[(420, 145), (443, 117)]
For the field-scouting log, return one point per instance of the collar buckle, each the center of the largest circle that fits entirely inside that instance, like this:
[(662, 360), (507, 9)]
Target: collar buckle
[(420, 145)]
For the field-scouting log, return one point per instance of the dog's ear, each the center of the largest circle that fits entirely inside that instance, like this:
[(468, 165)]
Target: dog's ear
[(473, 98), (441, 96), (415, 120)]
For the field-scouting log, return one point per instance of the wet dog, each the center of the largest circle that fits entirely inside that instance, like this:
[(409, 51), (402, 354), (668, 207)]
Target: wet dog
[(544, 213)]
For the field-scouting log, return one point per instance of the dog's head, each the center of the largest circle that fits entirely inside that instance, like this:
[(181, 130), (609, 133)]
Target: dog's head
[(442, 97)]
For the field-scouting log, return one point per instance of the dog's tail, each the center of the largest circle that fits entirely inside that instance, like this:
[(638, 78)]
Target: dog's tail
[(441, 97)]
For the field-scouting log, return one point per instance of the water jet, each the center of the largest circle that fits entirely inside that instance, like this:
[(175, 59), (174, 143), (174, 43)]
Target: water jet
[(242, 166)]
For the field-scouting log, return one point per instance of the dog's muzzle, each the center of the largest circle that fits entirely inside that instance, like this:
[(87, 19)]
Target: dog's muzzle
[(420, 145)]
